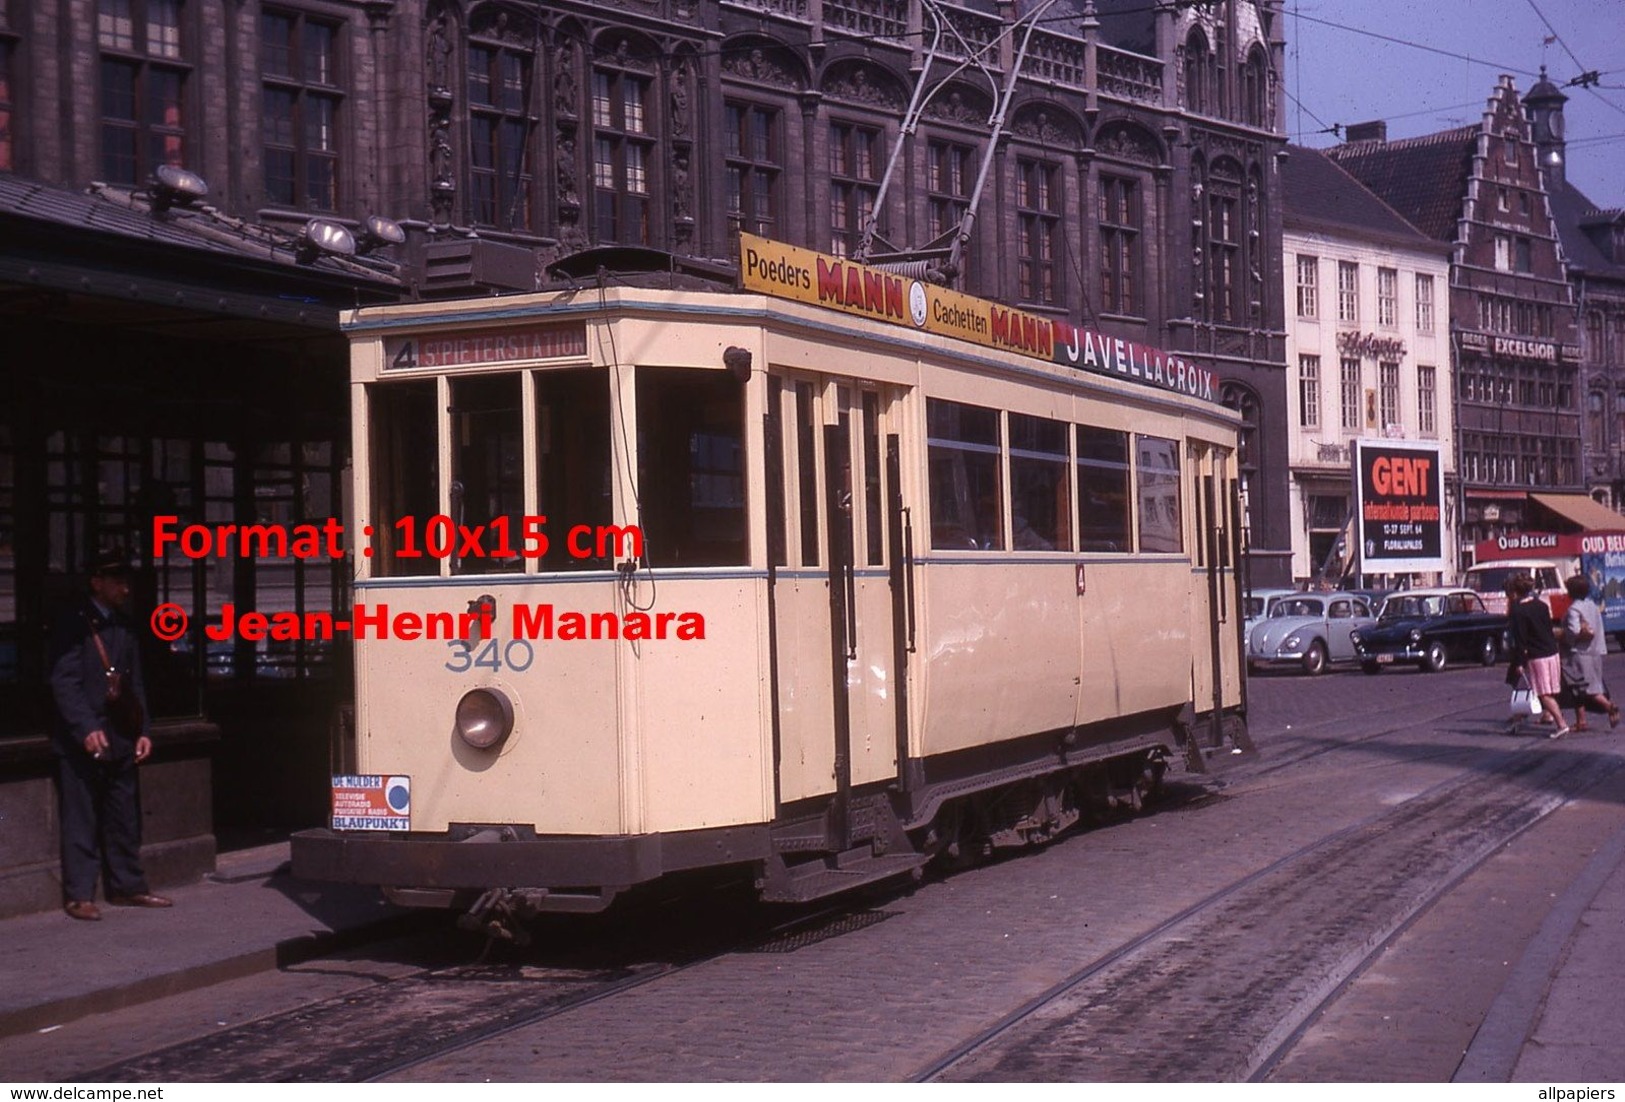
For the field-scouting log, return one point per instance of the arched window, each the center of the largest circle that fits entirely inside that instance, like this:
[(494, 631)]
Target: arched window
[(1226, 272), (1199, 277), (1198, 73), (1244, 400), (624, 127), (1255, 89), (501, 75)]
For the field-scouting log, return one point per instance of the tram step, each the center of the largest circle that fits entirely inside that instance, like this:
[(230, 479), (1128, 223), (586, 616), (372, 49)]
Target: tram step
[(815, 879)]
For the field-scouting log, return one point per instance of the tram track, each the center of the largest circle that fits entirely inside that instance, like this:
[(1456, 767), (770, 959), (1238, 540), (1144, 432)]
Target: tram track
[(1224, 988), (1276, 764), (391, 1026)]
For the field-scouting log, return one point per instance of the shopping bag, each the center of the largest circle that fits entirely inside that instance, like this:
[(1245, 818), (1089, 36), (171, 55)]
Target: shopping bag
[(1524, 703)]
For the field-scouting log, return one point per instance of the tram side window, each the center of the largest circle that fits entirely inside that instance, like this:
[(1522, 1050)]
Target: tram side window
[(691, 467), (807, 472), (874, 514), (965, 478), (487, 471), (573, 474), (405, 472), (1103, 491), (1041, 519), (1158, 480)]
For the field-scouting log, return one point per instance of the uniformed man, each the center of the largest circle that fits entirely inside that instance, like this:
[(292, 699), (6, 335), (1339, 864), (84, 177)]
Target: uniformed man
[(100, 738)]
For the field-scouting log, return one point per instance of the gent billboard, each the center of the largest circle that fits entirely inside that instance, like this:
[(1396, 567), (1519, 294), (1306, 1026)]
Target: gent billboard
[(1399, 505)]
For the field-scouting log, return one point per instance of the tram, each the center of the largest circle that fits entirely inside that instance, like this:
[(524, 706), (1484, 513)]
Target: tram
[(821, 577)]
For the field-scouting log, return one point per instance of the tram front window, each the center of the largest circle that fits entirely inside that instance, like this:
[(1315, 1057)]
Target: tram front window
[(487, 470), (572, 460), (691, 473), (405, 471)]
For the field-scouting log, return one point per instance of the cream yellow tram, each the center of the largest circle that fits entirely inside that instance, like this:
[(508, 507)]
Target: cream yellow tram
[(823, 580)]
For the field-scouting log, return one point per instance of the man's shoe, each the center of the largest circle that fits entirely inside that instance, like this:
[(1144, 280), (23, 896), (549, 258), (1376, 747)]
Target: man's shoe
[(140, 899), (82, 909)]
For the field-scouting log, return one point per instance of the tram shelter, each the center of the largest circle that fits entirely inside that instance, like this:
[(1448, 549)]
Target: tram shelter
[(162, 358)]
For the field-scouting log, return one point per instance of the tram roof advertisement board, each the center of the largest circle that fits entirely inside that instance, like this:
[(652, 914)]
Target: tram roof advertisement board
[(788, 271), (1399, 505)]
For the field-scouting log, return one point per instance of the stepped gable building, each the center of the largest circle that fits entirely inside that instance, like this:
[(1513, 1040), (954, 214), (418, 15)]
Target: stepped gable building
[(1594, 250), (1517, 355), (1368, 351)]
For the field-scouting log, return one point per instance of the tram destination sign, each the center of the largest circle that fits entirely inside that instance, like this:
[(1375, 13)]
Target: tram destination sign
[(1399, 505), (788, 271), (482, 347)]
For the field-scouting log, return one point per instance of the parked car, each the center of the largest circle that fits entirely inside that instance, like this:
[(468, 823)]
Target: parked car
[(1431, 627), (1309, 630), (1373, 597), (1258, 605)]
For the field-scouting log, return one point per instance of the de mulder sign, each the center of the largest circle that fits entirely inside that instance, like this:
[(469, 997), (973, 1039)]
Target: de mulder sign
[(1399, 506)]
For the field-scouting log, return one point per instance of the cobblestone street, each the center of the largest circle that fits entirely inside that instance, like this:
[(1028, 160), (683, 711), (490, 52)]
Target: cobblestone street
[(1356, 896)]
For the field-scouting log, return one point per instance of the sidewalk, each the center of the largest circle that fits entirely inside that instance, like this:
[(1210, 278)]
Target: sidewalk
[(1557, 1019), (249, 916)]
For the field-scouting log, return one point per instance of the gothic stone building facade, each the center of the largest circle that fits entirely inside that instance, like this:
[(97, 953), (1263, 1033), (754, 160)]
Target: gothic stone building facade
[(1134, 184)]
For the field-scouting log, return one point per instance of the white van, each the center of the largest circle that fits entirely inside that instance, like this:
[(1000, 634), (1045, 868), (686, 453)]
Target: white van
[(1489, 581)]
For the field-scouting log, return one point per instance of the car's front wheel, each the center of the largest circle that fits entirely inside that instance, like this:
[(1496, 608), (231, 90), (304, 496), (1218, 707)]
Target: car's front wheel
[(1488, 653), (1433, 658), (1314, 659)]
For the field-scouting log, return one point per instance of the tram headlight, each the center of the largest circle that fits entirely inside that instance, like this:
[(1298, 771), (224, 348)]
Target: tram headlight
[(484, 718)]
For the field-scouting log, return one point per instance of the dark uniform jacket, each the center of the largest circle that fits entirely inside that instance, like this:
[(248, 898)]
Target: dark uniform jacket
[(79, 680)]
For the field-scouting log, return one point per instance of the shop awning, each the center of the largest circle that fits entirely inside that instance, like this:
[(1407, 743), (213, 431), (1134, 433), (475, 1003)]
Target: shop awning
[(1580, 511)]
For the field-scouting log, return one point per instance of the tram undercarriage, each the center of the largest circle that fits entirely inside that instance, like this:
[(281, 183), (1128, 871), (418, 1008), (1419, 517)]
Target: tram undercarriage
[(953, 811)]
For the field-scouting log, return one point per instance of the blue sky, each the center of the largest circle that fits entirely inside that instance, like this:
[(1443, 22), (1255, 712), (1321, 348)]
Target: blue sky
[(1343, 76)]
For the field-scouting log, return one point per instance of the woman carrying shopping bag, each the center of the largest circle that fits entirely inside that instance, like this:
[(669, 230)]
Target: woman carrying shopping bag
[(1534, 647)]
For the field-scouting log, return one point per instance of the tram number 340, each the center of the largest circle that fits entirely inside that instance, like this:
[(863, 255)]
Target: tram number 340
[(466, 655)]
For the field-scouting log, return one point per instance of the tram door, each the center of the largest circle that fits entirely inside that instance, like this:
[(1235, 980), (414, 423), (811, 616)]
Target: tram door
[(835, 543), (1215, 668)]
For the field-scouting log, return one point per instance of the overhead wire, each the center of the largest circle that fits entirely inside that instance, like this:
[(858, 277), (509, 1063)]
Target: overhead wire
[(1415, 45), (1587, 78), (1555, 36)]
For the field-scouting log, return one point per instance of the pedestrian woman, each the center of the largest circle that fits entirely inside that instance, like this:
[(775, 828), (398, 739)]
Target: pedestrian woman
[(1534, 647), (1583, 646)]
